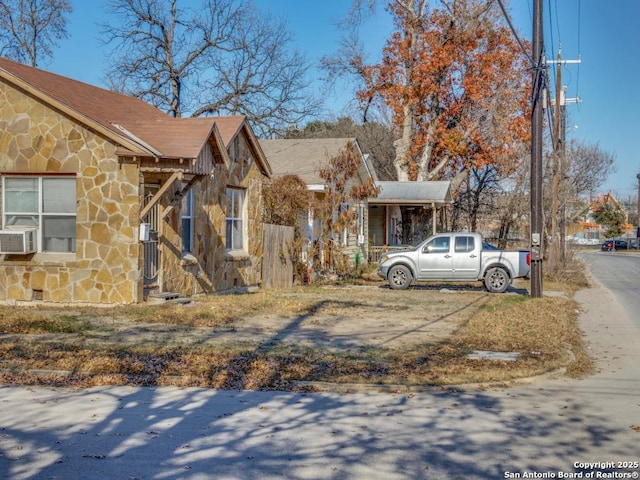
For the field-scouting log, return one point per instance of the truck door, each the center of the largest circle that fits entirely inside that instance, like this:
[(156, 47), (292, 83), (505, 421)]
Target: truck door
[(466, 258), (436, 261)]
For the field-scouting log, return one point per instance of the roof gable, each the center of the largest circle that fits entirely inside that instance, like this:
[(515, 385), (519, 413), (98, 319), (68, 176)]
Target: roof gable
[(305, 156), (231, 126)]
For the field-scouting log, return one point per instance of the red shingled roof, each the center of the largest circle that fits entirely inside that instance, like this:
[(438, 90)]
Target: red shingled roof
[(171, 137), (98, 104)]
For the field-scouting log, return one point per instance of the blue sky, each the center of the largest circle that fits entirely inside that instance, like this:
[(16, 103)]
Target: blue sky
[(604, 35)]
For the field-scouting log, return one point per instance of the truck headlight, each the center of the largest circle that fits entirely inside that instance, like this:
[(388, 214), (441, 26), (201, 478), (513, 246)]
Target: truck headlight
[(383, 259)]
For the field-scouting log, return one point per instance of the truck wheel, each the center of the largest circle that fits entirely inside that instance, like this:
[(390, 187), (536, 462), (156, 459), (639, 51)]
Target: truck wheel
[(496, 280), (399, 277)]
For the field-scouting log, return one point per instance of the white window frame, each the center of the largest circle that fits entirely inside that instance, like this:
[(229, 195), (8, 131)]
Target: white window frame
[(187, 215), (40, 214), (236, 223)]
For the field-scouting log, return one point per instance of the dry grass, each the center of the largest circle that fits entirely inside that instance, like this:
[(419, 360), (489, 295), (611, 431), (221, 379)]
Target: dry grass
[(570, 278), (212, 312), (47, 346)]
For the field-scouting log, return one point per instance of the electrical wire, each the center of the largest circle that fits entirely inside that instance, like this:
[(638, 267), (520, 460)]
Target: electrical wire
[(558, 24), (550, 54), (515, 34), (550, 30)]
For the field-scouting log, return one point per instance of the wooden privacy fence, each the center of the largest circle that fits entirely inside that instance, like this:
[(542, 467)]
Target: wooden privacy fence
[(277, 265)]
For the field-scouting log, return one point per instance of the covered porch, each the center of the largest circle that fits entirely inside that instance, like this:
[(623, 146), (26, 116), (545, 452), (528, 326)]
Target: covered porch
[(396, 199)]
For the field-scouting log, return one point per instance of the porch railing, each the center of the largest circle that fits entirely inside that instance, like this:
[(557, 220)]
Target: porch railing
[(376, 251)]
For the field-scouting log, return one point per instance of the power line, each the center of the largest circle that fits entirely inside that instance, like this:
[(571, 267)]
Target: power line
[(558, 24), (515, 34), (550, 31)]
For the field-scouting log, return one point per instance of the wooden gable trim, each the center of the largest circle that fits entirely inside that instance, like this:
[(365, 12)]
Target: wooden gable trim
[(259, 154), (220, 154)]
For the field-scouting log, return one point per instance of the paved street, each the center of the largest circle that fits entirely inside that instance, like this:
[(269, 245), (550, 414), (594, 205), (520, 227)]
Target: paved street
[(551, 425)]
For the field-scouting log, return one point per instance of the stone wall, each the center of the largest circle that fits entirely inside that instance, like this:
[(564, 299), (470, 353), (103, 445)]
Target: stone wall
[(211, 268), (105, 268)]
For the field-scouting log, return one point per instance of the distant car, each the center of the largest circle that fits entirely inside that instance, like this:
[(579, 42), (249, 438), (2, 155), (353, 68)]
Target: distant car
[(608, 245)]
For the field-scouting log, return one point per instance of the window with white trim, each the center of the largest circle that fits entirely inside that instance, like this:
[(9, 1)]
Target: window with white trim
[(235, 235), (46, 203), (187, 222)]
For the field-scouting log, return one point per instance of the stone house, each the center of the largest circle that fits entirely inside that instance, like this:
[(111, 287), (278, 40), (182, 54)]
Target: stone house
[(304, 158), (106, 199)]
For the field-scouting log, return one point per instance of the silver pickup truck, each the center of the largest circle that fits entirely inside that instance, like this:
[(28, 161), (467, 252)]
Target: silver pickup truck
[(454, 257)]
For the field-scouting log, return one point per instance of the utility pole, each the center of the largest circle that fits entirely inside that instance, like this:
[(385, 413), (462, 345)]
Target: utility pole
[(554, 250), (536, 152), (558, 204)]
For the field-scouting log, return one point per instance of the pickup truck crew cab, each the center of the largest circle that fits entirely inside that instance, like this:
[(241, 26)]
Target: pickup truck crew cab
[(454, 257)]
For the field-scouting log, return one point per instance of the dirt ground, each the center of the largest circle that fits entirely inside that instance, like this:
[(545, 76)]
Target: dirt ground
[(361, 316), (333, 317)]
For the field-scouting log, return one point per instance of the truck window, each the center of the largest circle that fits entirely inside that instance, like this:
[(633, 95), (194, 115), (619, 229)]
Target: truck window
[(464, 244), (437, 245)]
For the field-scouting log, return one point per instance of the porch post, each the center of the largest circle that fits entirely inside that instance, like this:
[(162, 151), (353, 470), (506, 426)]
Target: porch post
[(433, 208)]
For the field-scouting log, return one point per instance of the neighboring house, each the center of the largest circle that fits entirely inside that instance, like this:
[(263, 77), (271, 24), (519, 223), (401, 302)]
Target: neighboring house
[(583, 229), (305, 158), (104, 198), (385, 212)]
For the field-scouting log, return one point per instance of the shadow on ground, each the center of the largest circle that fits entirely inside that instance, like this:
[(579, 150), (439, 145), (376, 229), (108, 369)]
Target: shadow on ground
[(142, 433)]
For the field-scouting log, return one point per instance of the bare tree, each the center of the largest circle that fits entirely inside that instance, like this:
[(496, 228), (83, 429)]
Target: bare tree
[(579, 170), (587, 166), (30, 29), (222, 58), (158, 46), (261, 76), (476, 196)]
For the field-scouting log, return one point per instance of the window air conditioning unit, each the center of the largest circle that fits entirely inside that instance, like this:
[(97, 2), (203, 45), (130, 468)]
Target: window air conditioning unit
[(17, 241)]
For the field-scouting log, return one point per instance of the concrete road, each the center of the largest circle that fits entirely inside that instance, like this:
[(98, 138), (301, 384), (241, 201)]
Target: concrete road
[(549, 428), (620, 273)]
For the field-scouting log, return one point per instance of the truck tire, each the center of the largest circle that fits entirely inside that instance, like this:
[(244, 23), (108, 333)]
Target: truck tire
[(399, 277), (496, 280)]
